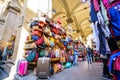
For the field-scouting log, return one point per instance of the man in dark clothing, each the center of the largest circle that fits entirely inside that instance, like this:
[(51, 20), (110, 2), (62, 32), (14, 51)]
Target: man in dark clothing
[(89, 55)]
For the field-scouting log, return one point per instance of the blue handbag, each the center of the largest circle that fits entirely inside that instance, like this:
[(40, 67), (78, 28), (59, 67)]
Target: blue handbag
[(31, 56), (52, 44), (34, 23), (35, 38), (68, 65)]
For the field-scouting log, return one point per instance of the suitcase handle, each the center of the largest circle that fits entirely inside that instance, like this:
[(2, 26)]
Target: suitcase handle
[(43, 60)]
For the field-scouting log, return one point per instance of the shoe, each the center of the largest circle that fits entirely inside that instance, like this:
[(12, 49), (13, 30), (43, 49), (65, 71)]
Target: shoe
[(106, 77)]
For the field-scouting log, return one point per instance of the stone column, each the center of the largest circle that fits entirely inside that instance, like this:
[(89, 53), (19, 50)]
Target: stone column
[(19, 42), (10, 25), (1, 28), (21, 35)]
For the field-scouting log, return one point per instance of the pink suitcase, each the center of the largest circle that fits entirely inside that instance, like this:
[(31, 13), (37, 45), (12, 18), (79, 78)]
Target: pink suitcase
[(22, 68)]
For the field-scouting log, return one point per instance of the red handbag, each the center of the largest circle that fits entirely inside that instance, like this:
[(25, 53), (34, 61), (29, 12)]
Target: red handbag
[(117, 63), (55, 30), (40, 41), (41, 23), (36, 32), (36, 57)]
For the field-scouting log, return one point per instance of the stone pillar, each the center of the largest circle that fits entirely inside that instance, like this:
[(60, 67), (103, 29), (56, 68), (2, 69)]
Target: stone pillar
[(1, 28), (19, 42), (21, 35), (10, 26)]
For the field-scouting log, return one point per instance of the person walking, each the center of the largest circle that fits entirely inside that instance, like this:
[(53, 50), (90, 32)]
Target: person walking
[(76, 53), (89, 55)]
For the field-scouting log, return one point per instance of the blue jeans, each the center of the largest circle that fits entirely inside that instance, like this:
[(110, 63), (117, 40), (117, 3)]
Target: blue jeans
[(89, 58), (75, 59)]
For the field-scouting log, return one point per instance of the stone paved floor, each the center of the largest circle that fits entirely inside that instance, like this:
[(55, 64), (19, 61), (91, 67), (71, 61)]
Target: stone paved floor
[(2, 75), (81, 72)]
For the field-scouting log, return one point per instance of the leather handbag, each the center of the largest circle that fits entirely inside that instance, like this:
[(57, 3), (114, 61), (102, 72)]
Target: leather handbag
[(47, 31), (52, 39), (55, 30), (62, 59), (46, 41), (31, 56), (35, 38), (36, 57), (34, 23), (35, 28), (52, 44), (28, 38), (42, 53), (40, 41), (41, 24), (37, 33)]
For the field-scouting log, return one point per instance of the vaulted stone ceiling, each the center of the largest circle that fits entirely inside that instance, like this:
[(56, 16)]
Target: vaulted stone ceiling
[(75, 12)]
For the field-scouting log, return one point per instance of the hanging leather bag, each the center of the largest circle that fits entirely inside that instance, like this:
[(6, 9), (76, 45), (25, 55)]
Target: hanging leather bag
[(40, 41), (46, 41), (31, 56)]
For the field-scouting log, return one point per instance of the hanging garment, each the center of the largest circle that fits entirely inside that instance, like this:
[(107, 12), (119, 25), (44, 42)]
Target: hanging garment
[(104, 13), (96, 5), (102, 24), (93, 13), (95, 35), (102, 45), (105, 3), (114, 14)]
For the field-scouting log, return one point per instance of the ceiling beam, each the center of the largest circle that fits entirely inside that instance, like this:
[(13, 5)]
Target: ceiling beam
[(83, 20), (58, 14), (75, 20), (60, 3), (76, 6), (66, 7)]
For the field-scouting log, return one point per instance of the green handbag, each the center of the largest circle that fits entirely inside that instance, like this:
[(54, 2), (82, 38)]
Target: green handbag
[(42, 53), (31, 56)]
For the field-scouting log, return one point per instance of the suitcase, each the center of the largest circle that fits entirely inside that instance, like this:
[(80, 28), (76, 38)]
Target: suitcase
[(43, 68), (22, 68)]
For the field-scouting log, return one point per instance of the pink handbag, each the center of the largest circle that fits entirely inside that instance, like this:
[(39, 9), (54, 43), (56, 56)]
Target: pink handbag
[(40, 41), (117, 64), (23, 68)]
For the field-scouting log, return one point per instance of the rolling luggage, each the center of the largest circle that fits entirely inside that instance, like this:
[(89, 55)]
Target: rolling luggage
[(43, 68), (22, 68)]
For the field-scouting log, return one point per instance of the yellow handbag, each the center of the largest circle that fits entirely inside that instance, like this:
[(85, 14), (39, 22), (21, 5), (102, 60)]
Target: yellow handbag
[(52, 39)]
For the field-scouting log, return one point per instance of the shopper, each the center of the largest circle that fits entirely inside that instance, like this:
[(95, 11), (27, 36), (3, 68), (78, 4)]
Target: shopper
[(105, 59), (89, 55), (76, 53)]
